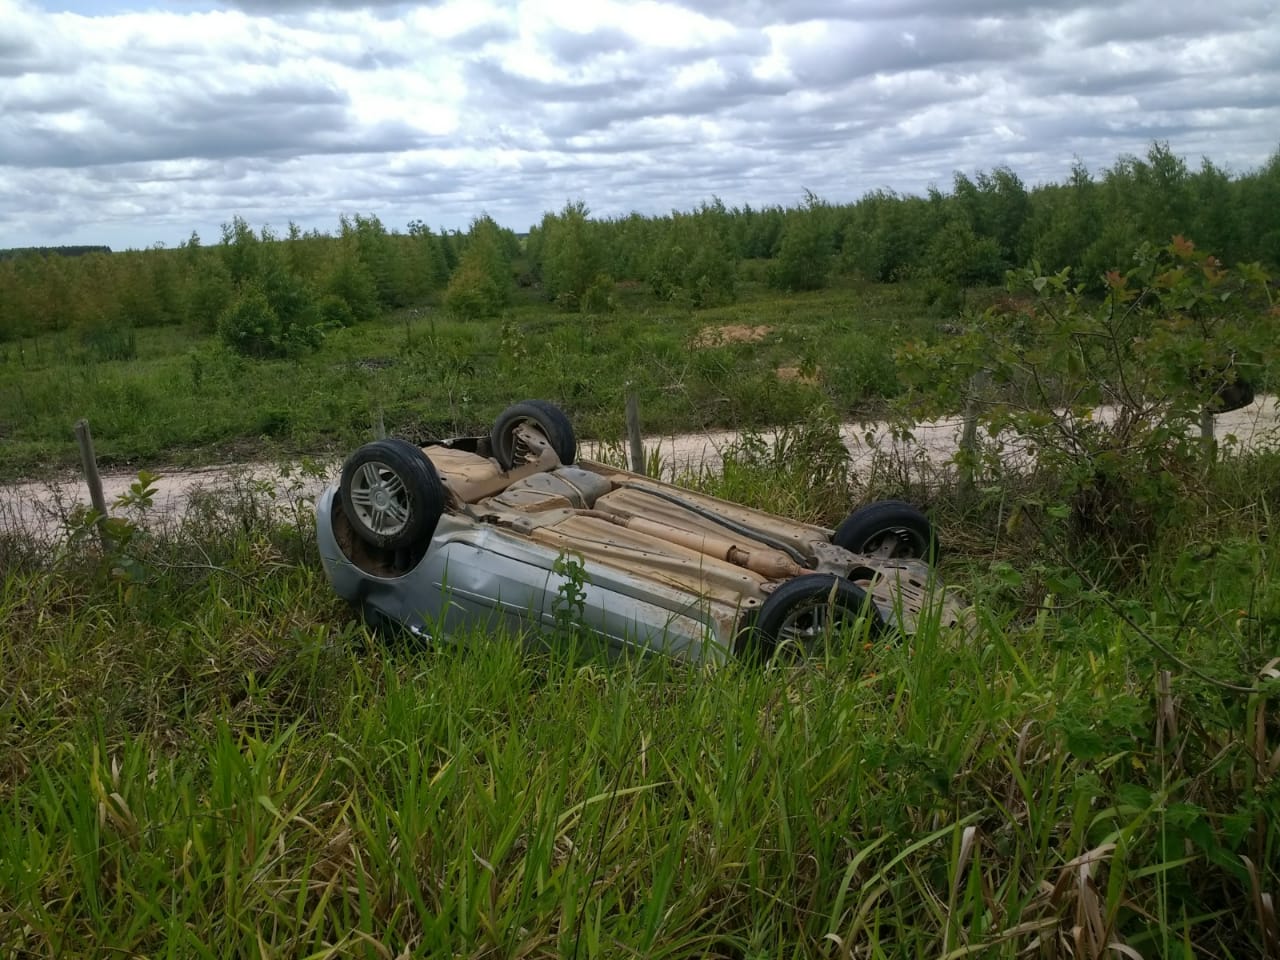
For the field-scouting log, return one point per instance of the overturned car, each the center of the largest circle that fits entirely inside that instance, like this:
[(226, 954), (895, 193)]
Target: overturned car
[(469, 533)]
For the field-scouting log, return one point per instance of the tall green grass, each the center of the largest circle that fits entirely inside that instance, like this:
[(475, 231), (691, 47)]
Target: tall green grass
[(201, 754), (185, 399)]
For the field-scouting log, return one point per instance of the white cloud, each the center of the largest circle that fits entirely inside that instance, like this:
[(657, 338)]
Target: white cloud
[(130, 126)]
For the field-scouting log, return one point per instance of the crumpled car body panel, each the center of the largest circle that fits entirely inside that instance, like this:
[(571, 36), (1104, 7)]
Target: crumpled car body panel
[(664, 567)]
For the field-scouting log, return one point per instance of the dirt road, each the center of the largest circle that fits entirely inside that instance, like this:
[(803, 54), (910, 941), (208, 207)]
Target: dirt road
[(37, 506)]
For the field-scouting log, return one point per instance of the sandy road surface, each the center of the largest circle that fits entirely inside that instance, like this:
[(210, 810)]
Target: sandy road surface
[(37, 506)]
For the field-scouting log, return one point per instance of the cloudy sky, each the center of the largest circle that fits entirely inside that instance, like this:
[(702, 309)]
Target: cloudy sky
[(132, 122)]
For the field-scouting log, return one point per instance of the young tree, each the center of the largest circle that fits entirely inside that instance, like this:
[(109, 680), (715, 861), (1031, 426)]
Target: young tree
[(427, 258), (380, 257), (572, 256), (348, 279), (1259, 200), (888, 236), (1066, 219), (804, 258), (693, 263), (962, 259), (1175, 335), (481, 284)]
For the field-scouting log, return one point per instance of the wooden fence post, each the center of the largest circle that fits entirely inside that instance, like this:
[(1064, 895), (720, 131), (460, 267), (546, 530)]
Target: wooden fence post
[(1206, 432), (92, 477), (633, 431), (969, 435)]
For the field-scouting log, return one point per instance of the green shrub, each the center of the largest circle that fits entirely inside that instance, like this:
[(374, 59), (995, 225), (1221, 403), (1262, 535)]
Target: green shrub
[(570, 258), (334, 311), (700, 273), (598, 297), (351, 282), (711, 277), (481, 284), (110, 341), (666, 272), (474, 293), (805, 257), (211, 293), (861, 368), (251, 326), (1109, 395)]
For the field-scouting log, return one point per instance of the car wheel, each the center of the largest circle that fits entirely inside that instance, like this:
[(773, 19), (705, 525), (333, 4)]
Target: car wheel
[(508, 450), (890, 529), (1233, 396), (391, 494), (802, 613)]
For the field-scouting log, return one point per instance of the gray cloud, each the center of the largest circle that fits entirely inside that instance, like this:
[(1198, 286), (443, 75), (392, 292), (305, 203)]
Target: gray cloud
[(715, 98), (850, 51), (17, 55), (493, 84), (295, 7), (1091, 83), (128, 129), (278, 119), (763, 12), (481, 35), (574, 48), (24, 50), (1140, 21)]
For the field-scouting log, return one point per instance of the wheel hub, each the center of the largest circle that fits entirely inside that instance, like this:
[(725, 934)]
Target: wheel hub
[(380, 498)]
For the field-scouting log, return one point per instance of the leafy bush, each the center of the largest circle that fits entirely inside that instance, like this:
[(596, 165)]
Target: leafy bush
[(598, 297), (474, 293), (481, 284), (253, 327), (960, 258), (861, 369), (666, 272), (351, 282), (334, 311), (695, 267), (1105, 398), (571, 260), (109, 341), (211, 293), (804, 259)]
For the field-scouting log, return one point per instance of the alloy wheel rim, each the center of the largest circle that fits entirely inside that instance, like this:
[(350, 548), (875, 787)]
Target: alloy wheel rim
[(380, 498)]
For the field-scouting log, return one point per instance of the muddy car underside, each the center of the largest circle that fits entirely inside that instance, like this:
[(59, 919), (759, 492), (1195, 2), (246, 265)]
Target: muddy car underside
[(648, 543)]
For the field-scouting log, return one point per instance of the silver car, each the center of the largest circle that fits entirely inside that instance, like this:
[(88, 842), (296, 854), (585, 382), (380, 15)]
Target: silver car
[(474, 533)]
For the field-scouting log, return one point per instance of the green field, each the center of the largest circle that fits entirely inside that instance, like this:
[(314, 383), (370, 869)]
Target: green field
[(184, 399), (273, 343), (203, 755)]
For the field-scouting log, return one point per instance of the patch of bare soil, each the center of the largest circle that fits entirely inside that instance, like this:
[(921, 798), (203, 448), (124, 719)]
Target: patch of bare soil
[(43, 507), (797, 375), (730, 333)]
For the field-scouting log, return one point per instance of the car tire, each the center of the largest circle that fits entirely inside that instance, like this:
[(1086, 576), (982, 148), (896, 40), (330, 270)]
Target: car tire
[(802, 610), (391, 494), (1233, 396), (547, 417), (889, 525)]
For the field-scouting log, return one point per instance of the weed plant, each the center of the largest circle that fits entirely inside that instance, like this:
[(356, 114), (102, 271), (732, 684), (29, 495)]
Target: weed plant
[(202, 754), (182, 398)]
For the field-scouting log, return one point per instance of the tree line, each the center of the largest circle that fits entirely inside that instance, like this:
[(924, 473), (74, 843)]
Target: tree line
[(10, 253), (268, 294)]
